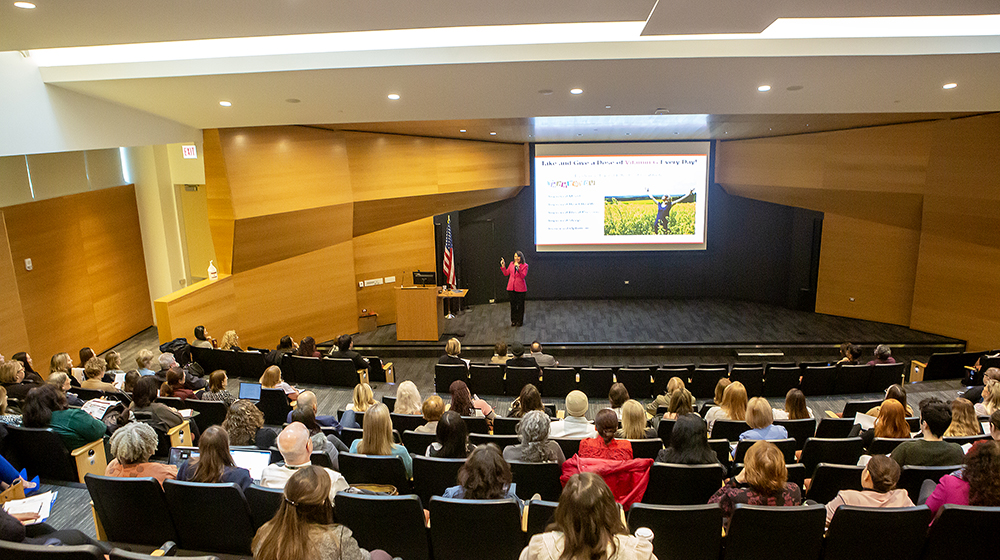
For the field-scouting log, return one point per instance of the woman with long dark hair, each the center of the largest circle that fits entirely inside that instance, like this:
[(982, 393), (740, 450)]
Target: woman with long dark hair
[(29, 371), (976, 484), (214, 462), (307, 348), (517, 271), (484, 476), (688, 443), (45, 407), (452, 438), (464, 403)]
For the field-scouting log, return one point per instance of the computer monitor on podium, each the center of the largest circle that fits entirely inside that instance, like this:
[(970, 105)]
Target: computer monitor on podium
[(424, 278)]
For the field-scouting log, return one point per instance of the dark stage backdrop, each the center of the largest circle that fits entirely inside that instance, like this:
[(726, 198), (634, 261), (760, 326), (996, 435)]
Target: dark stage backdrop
[(757, 251)]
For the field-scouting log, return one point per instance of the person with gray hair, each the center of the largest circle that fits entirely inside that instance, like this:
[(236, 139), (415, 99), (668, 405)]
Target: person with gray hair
[(132, 445), (882, 355), (535, 446)]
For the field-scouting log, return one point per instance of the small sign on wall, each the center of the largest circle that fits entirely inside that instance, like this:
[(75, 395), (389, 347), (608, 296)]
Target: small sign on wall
[(189, 152)]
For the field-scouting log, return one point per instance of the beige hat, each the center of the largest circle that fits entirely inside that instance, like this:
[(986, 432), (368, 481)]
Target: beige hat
[(577, 404)]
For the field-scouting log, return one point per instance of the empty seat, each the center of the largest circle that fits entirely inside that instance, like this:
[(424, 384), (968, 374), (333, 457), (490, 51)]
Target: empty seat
[(375, 469), (900, 533), (664, 429), (482, 529), (835, 427), (303, 369), (417, 442), (688, 532), (476, 424), (197, 508), (500, 441), (446, 374), (637, 381), (404, 422), (264, 503), (787, 447), (799, 430), (646, 448), (751, 377), (19, 551), (505, 426), (275, 406), (432, 476), (828, 479), (852, 379), (517, 377), (839, 451), (674, 484), (911, 478), (962, 532), (779, 380), (131, 510), (703, 381), (537, 478), (789, 533), (394, 524), (852, 408), (883, 375), (570, 446), (42, 452), (540, 513), (818, 380), (722, 451), (728, 429), (885, 446), (486, 379), (210, 413), (596, 382), (558, 381)]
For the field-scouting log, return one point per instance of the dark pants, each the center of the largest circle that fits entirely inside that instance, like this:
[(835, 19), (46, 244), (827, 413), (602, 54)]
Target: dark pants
[(516, 307)]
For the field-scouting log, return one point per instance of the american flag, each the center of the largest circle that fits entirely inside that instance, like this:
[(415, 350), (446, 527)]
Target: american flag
[(449, 257)]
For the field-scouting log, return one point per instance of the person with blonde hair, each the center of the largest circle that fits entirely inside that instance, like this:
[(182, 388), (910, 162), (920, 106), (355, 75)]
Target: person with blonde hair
[(376, 438), (452, 354), (991, 393), (131, 446), (680, 405), (407, 399), (761, 421), (963, 419), (230, 341), (587, 525), (303, 527), (733, 407), (720, 390), (93, 371), (271, 379), (113, 361), (432, 410), (143, 361), (634, 422), (795, 407), (673, 385), (362, 399), (12, 379), (61, 381), (762, 482), (11, 419)]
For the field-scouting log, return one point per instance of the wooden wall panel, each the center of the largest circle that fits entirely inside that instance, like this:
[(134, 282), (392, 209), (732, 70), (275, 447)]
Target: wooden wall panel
[(284, 169), (964, 158), (221, 221), (13, 332), (267, 239), (374, 215), (793, 161), (873, 263), (388, 166), (211, 303), (463, 165), (898, 165), (396, 251)]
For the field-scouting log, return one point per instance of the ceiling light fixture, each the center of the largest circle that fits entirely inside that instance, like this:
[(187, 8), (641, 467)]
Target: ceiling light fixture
[(461, 130), (950, 86), (493, 133), (25, 5), (576, 91), (226, 103), (764, 88), (607, 106), (393, 96)]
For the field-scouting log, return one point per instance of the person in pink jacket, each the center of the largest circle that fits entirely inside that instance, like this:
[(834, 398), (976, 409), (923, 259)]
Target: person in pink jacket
[(976, 484), (879, 482), (517, 271)]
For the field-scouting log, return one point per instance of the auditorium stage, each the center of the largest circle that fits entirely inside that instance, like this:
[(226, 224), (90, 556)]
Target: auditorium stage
[(662, 327)]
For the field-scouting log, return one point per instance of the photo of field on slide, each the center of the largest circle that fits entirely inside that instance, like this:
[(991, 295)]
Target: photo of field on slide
[(641, 215)]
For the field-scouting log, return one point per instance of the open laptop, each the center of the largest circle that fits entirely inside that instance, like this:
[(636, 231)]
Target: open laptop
[(250, 391), (253, 460)]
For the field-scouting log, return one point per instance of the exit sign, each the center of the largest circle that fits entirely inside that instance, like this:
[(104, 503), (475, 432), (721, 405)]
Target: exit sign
[(190, 152)]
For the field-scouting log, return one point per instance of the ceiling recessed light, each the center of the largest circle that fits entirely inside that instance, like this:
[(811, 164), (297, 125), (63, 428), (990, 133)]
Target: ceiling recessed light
[(607, 106), (677, 133), (493, 133), (546, 91), (393, 96), (628, 134), (794, 88), (226, 103), (25, 5), (950, 86), (576, 91), (293, 100), (461, 130), (764, 88)]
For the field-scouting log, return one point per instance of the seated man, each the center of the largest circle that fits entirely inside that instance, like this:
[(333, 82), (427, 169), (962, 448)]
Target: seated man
[(308, 399), (295, 446), (935, 417), (575, 425), (519, 359), (543, 360), (345, 349)]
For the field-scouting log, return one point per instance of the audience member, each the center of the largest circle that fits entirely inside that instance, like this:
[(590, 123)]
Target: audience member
[(131, 378), (452, 354), (882, 355), (167, 362), (29, 371), (519, 359), (795, 407), (535, 446), (606, 446), (303, 527), (113, 363), (688, 443), (963, 420), (575, 425), (977, 484), (720, 391), (45, 407), (271, 379), (6, 417), (307, 399), (144, 361), (733, 407), (345, 349), (201, 338), (529, 399), (131, 446), (452, 438), (467, 404), (891, 423), (845, 353), (673, 385), (214, 463), (762, 482), (12, 379), (991, 393), (407, 398), (61, 380), (230, 341), (322, 443), (761, 422), (995, 426), (500, 355), (13, 529), (362, 399), (484, 476), (376, 438), (618, 394), (588, 524), (295, 446), (935, 417), (679, 405), (245, 425), (218, 382), (896, 392), (174, 385), (634, 422), (433, 409), (86, 353), (285, 346), (145, 409), (543, 360), (879, 482), (307, 348)]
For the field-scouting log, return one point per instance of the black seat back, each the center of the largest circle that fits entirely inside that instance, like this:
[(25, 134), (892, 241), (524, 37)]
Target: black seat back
[(852, 408), (852, 379), (902, 531), (19, 551), (366, 516), (596, 382), (839, 451), (196, 509), (691, 532), (728, 429), (500, 441), (417, 442), (432, 476), (766, 532), (403, 422), (274, 405), (504, 426), (131, 510), (569, 446), (751, 377), (477, 424), (703, 381), (486, 379), (540, 514), (558, 381), (664, 429), (674, 484), (375, 469), (722, 451), (818, 380), (883, 375), (537, 478), (787, 447), (42, 452), (962, 532), (210, 413), (835, 427), (912, 477), (885, 446), (638, 382), (339, 372), (518, 377), (779, 380), (302, 369), (646, 448), (799, 430), (460, 528), (446, 374), (830, 479), (263, 502)]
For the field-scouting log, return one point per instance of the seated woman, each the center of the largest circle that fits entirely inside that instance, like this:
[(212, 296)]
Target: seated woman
[(762, 482), (132, 445), (464, 403), (320, 441), (588, 524), (535, 446), (991, 394), (500, 355), (605, 446), (303, 527), (529, 399), (60, 380), (6, 417), (376, 439), (407, 399), (29, 371), (13, 529), (230, 341), (214, 462), (761, 422), (879, 482), (963, 419), (484, 476), (634, 422), (363, 398), (131, 378), (12, 379), (62, 362), (733, 407), (452, 354), (679, 405), (891, 423), (113, 365), (688, 443), (146, 409), (217, 390), (452, 438), (795, 407), (245, 424), (673, 385), (433, 409), (45, 407), (174, 385), (897, 393), (93, 373), (618, 395), (307, 348), (976, 484), (271, 379)]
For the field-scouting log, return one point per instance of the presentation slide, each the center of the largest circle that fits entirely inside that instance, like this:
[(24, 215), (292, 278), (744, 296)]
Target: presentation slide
[(621, 196)]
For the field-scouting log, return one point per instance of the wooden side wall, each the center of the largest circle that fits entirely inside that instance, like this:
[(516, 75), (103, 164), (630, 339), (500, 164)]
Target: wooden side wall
[(909, 229)]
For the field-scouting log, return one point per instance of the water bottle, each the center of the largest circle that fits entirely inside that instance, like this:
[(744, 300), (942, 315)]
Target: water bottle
[(644, 534)]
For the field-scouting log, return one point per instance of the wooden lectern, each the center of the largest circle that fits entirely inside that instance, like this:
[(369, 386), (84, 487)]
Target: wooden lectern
[(420, 312)]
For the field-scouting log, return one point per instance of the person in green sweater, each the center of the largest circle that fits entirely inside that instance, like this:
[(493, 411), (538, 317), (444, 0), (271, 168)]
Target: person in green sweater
[(45, 407), (935, 417)]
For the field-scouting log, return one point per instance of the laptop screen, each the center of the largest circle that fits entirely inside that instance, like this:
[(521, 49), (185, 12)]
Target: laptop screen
[(253, 460), (250, 391)]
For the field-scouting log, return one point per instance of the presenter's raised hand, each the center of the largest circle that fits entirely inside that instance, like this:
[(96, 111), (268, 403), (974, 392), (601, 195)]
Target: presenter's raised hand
[(502, 263)]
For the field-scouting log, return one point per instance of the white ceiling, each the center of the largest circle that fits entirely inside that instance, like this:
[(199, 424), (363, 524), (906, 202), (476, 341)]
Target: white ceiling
[(712, 81)]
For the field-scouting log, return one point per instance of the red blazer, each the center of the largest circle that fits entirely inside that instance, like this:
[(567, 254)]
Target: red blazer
[(516, 282)]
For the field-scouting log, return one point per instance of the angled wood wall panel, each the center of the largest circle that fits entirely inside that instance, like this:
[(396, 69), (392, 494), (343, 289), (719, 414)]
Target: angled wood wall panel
[(395, 251), (211, 303), (13, 332), (266, 239), (221, 220)]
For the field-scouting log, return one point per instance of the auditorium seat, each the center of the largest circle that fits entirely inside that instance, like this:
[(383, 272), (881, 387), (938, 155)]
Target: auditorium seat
[(500, 441), (540, 513), (789, 533), (394, 524), (504, 426), (852, 408), (516, 378), (968, 439), (476, 424), (119, 554), (751, 377), (963, 532), (675, 484), (637, 381), (799, 430), (835, 427), (570, 446), (446, 374), (664, 429), (87, 394), (42, 452), (646, 448), (779, 380), (433, 475), (704, 380), (899, 533), (540, 478), (818, 380), (722, 450), (242, 365), (389, 401), (197, 510), (264, 503), (728, 429), (787, 447), (303, 369), (596, 382), (483, 529), (416, 442), (852, 379), (375, 469), (275, 406), (486, 379), (404, 422), (839, 451), (19, 551), (883, 375), (885, 446), (210, 413), (131, 510), (828, 479), (912, 477), (680, 532), (662, 375), (557, 382)]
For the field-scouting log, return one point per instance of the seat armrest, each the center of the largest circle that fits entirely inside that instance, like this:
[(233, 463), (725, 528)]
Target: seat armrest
[(180, 435), (90, 458), (102, 535)]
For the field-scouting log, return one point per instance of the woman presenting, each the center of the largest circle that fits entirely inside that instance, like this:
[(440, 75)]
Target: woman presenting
[(516, 287)]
